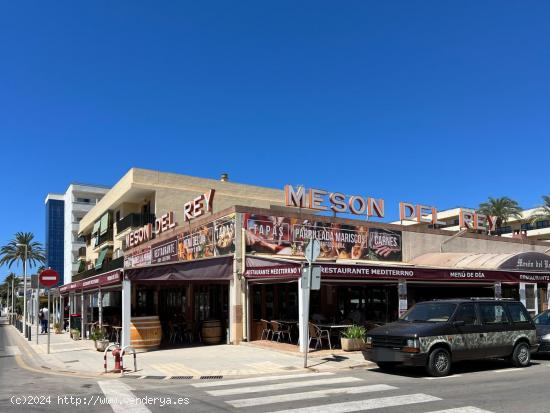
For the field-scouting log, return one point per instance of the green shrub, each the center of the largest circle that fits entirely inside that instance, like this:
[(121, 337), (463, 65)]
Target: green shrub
[(357, 332)]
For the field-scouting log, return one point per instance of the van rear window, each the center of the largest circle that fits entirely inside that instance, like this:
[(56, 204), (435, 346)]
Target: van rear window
[(518, 313)]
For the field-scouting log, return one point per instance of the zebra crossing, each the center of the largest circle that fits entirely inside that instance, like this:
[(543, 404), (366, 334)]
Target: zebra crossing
[(318, 392)]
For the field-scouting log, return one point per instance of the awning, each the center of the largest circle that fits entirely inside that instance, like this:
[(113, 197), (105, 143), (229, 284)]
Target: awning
[(104, 224), (264, 268), (96, 227), (259, 268), (100, 258), (209, 269), (102, 280), (523, 261)]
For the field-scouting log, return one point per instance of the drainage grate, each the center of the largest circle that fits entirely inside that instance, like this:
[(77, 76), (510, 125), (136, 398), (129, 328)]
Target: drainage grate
[(155, 377), (71, 361), (211, 377), (128, 376), (181, 378), (46, 367)]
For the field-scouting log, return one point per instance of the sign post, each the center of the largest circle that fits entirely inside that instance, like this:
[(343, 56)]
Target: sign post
[(48, 278), (312, 251)]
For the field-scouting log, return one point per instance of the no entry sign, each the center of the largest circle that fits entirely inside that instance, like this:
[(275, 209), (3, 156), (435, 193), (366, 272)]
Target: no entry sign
[(48, 278)]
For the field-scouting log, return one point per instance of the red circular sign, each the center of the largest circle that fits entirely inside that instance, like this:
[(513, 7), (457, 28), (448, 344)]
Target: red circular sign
[(48, 278)]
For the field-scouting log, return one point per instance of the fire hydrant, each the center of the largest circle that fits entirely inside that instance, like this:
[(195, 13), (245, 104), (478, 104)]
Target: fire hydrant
[(117, 355)]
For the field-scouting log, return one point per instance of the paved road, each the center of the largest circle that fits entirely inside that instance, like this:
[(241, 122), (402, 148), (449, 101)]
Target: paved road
[(490, 386)]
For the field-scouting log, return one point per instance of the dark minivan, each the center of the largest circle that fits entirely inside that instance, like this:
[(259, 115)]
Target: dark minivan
[(436, 333)]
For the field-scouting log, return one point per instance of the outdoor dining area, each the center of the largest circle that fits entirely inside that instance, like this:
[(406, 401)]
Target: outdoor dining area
[(338, 312)]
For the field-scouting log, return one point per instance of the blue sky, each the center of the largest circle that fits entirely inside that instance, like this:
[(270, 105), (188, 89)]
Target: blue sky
[(441, 103)]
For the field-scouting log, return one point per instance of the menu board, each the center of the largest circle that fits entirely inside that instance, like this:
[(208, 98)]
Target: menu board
[(213, 239), (165, 251), (287, 236), (139, 257)]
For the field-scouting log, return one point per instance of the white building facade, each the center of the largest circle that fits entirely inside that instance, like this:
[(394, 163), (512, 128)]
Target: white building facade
[(79, 199)]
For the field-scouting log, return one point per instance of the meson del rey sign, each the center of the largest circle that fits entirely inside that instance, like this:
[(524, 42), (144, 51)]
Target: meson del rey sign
[(145, 233), (337, 202), (191, 210)]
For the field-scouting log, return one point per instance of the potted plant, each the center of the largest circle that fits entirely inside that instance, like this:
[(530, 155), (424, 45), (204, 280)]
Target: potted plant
[(353, 338), (57, 328), (98, 335), (75, 334)]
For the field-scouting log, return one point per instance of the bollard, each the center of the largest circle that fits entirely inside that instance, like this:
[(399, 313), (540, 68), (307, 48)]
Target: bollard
[(29, 334)]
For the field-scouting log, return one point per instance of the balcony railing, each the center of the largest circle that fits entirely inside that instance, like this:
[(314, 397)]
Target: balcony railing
[(134, 221), (105, 237), (106, 267)]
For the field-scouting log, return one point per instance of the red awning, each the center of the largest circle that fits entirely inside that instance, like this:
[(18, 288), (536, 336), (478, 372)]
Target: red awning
[(273, 269), (210, 269), (102, 280), (263, 268)]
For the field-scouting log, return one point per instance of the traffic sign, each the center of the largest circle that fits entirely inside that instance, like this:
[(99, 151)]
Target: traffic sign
[(313, 249), (48, 278)]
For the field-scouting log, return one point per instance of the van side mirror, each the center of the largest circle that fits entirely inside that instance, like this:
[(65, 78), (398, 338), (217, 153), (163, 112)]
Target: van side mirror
[(459, 323)]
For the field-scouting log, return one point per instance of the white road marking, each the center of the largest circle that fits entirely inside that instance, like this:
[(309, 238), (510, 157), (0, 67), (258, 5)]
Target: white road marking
[(282, 386), (281, 398), (369, 404), (258, 379), (123, 399), (444, 377), (465, 409)]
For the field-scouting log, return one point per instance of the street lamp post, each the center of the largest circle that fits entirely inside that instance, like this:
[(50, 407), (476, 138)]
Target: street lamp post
[(12, 298), (24, 289)]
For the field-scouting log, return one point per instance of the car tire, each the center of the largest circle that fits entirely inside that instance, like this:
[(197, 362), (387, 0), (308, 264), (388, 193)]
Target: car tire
[(521, 356), (439, 363), (386, 365)]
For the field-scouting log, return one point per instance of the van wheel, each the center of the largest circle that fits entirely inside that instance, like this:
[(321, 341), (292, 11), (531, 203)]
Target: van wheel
[(521, 356), (439, 363), (386, 365)]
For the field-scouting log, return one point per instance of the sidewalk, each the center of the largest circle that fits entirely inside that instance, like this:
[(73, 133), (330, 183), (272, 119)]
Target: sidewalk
[(193, 362)]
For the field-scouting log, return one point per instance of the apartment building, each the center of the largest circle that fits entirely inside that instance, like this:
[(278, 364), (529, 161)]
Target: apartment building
[(63, 215), (521, 227)]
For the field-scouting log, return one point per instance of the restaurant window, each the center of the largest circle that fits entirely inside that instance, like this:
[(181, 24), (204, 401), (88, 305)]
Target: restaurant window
[(172, 303), (145, 304)]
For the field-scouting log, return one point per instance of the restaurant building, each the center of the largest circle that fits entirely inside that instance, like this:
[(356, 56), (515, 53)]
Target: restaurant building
[(208, 260)]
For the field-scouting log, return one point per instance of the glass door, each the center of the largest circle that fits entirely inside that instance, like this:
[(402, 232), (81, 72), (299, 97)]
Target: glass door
[(528, 296)]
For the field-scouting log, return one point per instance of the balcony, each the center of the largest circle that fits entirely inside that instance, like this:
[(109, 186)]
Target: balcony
[(104, 238), (107, 266), (134, 221)]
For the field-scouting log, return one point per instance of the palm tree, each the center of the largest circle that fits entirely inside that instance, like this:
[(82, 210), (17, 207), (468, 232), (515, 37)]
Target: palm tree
[(502, 208), (14, 250), (542, 213)]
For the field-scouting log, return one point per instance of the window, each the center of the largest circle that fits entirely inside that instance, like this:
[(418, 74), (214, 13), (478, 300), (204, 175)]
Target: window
[(492, 313), (518, 313), (466, 313), (430, 312), (543, 319), (542, 224)]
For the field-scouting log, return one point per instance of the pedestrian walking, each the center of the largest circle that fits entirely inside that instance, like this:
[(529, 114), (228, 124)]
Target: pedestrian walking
[(44, 313)]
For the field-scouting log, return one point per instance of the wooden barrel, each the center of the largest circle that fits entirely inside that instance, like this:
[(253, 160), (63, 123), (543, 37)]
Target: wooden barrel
[(145, 333), (211, 332)]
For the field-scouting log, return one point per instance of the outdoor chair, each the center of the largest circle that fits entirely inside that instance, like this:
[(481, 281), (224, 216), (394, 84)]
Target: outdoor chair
[(266, 329), (279, 330), (315, 333)]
